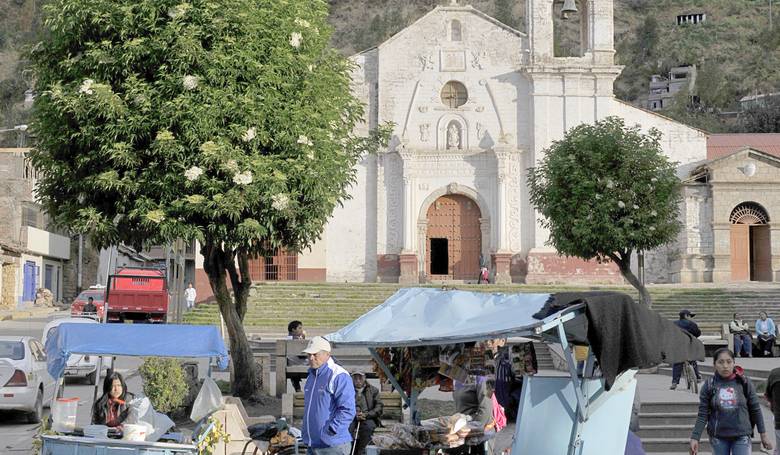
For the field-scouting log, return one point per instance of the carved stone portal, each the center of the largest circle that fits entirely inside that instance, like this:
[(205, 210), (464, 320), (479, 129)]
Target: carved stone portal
[(454, 136)]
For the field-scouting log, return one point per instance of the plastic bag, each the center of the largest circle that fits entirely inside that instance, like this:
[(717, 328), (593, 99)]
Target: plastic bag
[(209, 399), (142, 413)]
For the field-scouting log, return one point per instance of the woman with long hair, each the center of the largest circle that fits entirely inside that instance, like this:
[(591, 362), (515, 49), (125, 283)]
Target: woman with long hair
[(111, 408), (730, 408)]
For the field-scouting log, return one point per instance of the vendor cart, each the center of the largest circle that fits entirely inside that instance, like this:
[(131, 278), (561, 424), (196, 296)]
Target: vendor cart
[(135, 340), (576, 414)]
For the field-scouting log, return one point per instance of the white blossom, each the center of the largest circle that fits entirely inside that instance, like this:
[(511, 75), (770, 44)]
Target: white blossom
[(653, 179), (636, 207), (653, 213), (86, 87), (597, 196), (652, 228), (193, 173), (232, 166), (249, 134), (610, 184), (303, 140), (243, 178), (310, 155), (621, 204), (295, 39), (178, 10), (190, 82), (302, 22), (280, 201), (310, 67)]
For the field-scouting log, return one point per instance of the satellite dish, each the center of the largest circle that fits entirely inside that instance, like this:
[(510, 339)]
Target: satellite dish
[(749, 169)]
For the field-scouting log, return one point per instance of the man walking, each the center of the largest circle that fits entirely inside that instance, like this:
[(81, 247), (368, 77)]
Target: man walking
[(369, 409), (328, 404), (190, 295), (686, 323)]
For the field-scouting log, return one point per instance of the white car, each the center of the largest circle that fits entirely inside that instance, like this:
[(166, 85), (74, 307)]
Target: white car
[(25, 385), (78, 366)]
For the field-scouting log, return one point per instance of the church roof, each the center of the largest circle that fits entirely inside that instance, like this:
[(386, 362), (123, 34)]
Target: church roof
[(701, 173), (720, 145)]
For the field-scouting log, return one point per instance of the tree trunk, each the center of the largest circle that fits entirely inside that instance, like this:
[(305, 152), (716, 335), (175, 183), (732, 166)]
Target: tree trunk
[(623, 262), (217, 264)]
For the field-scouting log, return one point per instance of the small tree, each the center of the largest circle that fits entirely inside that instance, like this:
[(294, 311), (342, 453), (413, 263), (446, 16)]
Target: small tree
[(164, 383), (225, 121), (606, 191)]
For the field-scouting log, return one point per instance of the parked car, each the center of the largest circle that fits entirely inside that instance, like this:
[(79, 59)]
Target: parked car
[(79, 366), (98, 294), (25, 384)]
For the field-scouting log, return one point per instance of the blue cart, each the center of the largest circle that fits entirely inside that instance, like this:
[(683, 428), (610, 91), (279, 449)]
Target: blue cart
[(135, 340)]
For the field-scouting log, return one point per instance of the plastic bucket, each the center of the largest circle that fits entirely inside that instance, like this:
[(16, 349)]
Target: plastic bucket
[(133, 432), (63, 414)]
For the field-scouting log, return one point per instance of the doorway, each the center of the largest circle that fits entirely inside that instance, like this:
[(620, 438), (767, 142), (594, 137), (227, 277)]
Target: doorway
[(751, 253), (453, 238)]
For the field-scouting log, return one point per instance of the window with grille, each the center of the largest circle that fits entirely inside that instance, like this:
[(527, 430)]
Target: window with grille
[(454, 94), (281, 266), (749, 213)]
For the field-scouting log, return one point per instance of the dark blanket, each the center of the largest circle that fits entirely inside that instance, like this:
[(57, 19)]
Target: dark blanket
[(624, 334)]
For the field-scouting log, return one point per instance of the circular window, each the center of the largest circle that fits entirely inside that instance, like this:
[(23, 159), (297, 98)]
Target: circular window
[(454, 94)]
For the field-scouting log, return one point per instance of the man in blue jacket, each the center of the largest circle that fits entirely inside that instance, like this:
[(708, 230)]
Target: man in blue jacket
[(328, 404)]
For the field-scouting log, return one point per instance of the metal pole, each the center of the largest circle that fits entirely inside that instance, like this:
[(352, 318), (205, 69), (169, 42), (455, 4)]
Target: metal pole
[(80, 284), (640, 259)]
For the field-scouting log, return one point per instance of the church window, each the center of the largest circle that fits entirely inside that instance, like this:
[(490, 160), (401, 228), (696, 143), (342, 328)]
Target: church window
[(456, 33), (749, 213), (454, 94)]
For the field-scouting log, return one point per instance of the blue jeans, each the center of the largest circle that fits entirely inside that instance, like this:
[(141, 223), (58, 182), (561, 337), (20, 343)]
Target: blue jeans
[(731, 446), (743, 345), (343, 449)]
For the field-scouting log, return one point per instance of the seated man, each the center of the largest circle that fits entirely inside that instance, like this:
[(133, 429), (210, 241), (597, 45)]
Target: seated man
[(89, 307), (368, 408), (765, 333), (743, 342)]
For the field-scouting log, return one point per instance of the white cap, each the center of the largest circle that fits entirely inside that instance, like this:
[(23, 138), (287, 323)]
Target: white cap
[(316, 345)]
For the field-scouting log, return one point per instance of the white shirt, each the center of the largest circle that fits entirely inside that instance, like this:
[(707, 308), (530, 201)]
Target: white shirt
[(190, 294)]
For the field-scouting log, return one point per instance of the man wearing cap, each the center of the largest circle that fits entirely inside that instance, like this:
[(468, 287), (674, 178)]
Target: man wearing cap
[(328, 404), (685, 322), (369, 409)]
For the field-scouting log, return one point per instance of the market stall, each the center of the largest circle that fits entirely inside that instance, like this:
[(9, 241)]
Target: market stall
[(579, 414)]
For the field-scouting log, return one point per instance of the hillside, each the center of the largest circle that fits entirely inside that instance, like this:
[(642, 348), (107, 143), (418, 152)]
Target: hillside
[(734, 49)]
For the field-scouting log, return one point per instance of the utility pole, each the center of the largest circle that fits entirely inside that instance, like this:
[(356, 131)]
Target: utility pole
[(770, 15)]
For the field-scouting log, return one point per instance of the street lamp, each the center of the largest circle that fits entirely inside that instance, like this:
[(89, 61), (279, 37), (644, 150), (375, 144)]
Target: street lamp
[(21, 130)]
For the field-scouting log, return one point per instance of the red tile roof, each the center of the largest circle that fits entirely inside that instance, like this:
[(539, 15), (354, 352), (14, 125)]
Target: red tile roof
[(719, 145)]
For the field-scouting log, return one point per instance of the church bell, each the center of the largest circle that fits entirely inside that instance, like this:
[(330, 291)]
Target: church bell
[(569, 7)]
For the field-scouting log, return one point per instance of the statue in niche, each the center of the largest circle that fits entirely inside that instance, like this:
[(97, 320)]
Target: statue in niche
[(480, 130), (424, 132), (453, 136)]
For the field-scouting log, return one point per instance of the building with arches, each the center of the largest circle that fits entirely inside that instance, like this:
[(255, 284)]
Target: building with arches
[(474, 104)]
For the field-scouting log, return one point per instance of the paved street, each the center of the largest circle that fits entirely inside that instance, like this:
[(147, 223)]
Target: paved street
[(16, 435)]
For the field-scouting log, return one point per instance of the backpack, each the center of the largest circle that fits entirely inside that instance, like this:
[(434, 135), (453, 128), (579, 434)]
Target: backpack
[(745, 391)]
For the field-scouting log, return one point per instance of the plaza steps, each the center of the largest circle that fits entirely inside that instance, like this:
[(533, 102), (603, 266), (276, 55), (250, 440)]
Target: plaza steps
[(328, 306), (665, 428)]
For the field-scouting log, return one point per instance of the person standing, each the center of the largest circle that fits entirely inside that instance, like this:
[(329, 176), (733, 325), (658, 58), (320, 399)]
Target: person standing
[(368, 409), (89, 308), (295, 332), (765, 334), (729, 407), (328, 403), (686, 323), (190, 295), (743, 342), (773, 396)]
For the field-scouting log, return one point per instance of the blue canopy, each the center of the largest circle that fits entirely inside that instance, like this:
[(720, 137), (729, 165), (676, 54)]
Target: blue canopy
[(164, 340), (420, 316)]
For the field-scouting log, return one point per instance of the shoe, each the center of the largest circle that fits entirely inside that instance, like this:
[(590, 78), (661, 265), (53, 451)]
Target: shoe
[(673, 386), (699, 378)]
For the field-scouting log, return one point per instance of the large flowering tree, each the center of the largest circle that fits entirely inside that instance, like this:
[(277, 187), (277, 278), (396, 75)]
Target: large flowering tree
[(226, 121), (606, 191)]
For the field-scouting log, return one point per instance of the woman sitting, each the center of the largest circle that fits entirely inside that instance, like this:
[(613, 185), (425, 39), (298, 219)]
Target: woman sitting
[(111, 408)]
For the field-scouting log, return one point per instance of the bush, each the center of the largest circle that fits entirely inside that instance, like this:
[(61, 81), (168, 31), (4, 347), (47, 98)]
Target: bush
[(164, 383)]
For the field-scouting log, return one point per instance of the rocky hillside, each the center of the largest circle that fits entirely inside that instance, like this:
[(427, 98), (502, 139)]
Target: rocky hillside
[(735, 50)]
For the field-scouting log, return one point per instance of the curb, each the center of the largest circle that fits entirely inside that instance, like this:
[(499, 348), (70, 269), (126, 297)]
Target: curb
[(27, 314)]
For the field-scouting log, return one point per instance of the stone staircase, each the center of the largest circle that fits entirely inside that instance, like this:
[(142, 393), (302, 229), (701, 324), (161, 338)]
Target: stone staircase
[(332, 305), (665, 428)]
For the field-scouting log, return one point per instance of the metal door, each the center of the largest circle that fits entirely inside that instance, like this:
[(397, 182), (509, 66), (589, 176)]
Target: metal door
[(740, 252), (30, 281), (456, 218)]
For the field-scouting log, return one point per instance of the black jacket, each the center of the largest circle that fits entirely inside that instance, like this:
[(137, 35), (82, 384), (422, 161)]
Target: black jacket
[(375, 406), (689, 326)]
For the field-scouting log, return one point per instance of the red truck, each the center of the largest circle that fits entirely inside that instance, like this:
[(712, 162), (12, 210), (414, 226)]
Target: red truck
[(137, 294)]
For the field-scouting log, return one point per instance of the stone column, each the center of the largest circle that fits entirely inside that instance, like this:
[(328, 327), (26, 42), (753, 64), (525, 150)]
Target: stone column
[(502, 258), (408, 256), (422, 244), (775, 239), (721, 236)]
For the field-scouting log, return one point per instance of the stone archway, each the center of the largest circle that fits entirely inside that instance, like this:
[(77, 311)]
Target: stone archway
[(453, 240), (751, 246)]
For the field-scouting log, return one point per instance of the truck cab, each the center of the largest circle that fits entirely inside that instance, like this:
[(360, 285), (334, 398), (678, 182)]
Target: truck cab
[(137, 294)]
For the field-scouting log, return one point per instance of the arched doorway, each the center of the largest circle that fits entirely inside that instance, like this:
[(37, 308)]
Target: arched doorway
[(453, 239), (751, 253)]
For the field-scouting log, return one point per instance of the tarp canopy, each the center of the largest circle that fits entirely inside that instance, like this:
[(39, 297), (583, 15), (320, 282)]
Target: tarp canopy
[(420, 316), (133, 340)]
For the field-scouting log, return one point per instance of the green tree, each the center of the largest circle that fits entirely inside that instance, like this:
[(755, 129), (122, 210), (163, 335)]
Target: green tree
[(226, 121), (606, 191)]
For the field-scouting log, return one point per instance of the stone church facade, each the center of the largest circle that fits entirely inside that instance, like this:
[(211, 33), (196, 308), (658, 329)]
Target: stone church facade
[(474, 104)]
